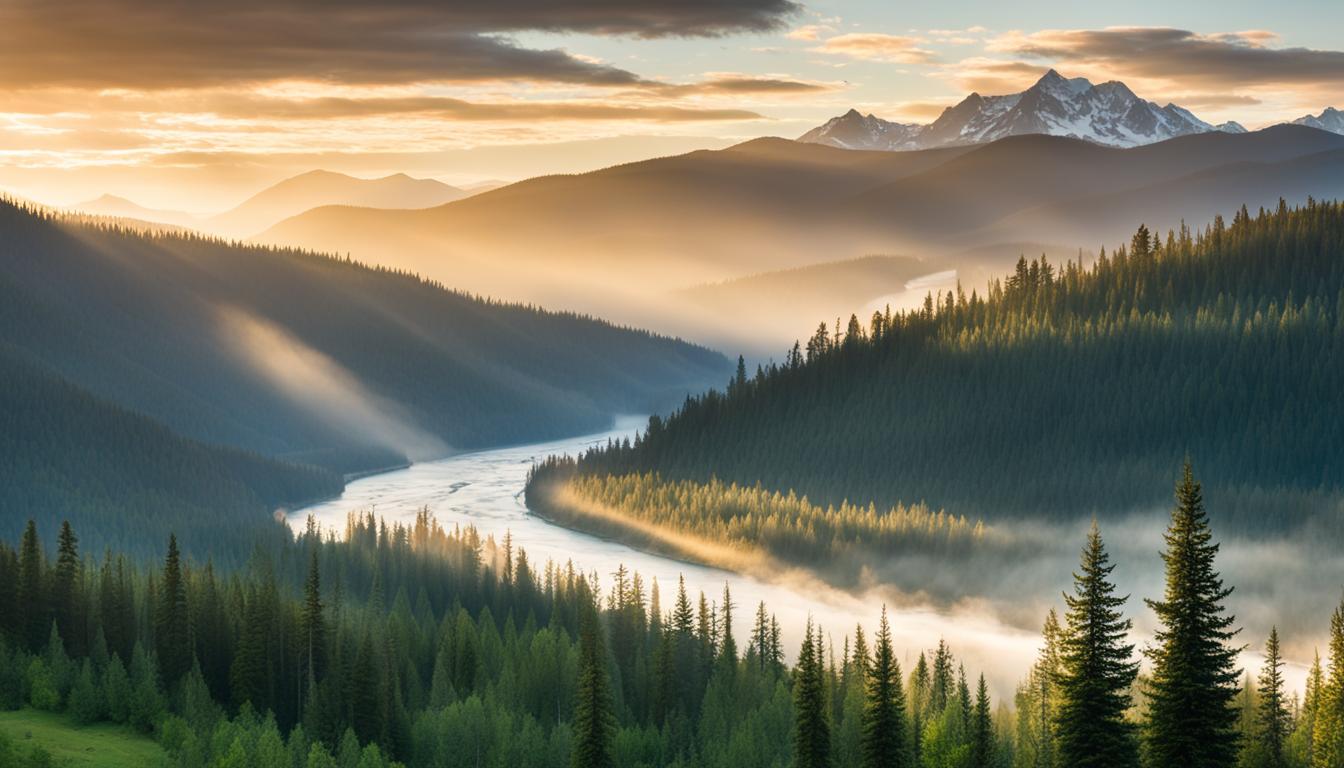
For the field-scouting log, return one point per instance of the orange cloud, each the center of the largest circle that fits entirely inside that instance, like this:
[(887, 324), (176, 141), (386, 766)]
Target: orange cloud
[(877, 47)]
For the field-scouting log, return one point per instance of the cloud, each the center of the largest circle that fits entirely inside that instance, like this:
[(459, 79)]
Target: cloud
[(924, 111), (1216, 100), (808, 32), (874, 46), (738, 84), (147, 44), (990, 76), (458, 109), (1208, 61)]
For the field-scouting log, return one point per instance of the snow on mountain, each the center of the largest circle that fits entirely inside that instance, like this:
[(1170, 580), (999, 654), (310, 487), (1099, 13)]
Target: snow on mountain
[(1105, 113), (853, 130), (1331, 120)]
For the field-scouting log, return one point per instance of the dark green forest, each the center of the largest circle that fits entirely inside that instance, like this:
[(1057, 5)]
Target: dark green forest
[(422, 646), (135, 319), (1059, 391), (125, 481)]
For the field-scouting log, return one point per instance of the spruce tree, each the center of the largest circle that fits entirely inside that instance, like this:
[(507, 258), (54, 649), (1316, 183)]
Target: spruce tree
[(65, 585), (1090, 726), (172, 631), (1328, 735), (1273, 718), (1191, 722), (594, 723), (812, 730), (314, 626), (31, 594), (882, 732), (982, 729)]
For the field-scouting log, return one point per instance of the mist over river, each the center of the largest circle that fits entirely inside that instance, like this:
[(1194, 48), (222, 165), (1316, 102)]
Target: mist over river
[(485, 489)]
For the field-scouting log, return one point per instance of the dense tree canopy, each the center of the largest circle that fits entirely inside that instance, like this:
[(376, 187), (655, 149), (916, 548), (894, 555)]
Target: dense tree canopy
[(1060, 390)]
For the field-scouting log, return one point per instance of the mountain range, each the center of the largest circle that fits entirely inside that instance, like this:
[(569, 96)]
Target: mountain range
[(291, 197), (1329, 120), (624, 241), (1107, 113)]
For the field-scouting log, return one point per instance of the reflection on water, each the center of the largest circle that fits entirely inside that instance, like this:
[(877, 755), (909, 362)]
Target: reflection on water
[(485, 489)]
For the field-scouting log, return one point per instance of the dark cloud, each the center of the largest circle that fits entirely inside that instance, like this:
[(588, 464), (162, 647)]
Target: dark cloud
[(458, 109), (1223, 60), (189, 43), (741, 85), (758, 85)]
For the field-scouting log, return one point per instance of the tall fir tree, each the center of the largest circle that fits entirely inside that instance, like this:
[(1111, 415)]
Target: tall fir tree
[(172, 628), (982, 729), (1274, 719), (31, 594), (1328, 734), (594, 722), (883, 742), (65, 585), (812, 728), (1191, 721), (314, 624), (1097, 669)]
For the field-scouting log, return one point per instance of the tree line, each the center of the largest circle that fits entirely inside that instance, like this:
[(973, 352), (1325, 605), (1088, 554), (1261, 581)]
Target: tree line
[(417, 645), (745, 520), (1060, 390)]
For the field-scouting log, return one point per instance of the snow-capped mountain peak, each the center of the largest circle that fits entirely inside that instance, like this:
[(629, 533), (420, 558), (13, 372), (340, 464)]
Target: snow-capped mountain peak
[(1106, 113), (1331, 120), (854, 130)]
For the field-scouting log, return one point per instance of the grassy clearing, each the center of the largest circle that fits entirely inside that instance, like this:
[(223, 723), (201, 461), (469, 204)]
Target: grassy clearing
[(79, 746)]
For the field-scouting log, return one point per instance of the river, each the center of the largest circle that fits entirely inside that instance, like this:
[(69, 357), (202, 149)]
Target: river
[(485, 489)]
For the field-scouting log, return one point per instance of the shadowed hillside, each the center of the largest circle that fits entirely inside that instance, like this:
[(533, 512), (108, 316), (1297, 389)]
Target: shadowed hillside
[(302, 356)]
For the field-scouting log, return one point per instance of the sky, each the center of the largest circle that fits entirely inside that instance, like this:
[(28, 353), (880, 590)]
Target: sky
[(196, 105)]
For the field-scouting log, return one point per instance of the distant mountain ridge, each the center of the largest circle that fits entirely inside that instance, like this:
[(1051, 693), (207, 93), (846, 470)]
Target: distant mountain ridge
[(314, 189), (121, 208), (620, 241), (1106, 113), (1331, 120)]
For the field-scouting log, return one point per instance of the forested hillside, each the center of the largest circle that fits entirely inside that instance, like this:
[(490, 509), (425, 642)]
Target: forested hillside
[(1058, 391), (125, 480), (297, 355), (427, 647)]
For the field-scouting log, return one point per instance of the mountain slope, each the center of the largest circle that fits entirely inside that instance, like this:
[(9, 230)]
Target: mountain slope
[(617, 241), (1060, 391), (1107, 113), (303, 356), (125, 481), (318, 188), (121, 208), (1331, 120)]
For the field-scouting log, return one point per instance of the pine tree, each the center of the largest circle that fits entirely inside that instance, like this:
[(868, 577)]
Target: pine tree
[(1328, 735), (727, 645), (1274, 719), (1090, 726), (982, 729), (940, 690), (594, 723), (65, 585), (812, 728), (314, 626), (31, 595), (172, 631), (882, 737), (1190, 720)]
